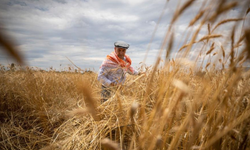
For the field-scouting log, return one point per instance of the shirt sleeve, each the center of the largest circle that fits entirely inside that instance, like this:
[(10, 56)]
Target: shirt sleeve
[(102, 76), (135, 71)]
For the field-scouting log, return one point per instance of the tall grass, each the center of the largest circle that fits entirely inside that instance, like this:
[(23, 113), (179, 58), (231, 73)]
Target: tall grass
[(182, 104)]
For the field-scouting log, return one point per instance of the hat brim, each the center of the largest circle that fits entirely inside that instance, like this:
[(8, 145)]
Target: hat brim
[(122, 47)]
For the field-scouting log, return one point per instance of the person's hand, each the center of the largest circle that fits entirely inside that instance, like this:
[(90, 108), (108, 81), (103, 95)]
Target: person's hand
[(142, 73), (112, 84)]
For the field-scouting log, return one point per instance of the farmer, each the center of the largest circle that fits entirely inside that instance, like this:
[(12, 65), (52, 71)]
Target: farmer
[(114, 67)]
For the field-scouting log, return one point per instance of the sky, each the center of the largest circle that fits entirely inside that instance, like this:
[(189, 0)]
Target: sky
[(47, 32)]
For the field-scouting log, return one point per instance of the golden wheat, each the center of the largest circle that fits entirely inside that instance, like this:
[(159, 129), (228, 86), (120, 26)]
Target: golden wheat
[(180, 105)]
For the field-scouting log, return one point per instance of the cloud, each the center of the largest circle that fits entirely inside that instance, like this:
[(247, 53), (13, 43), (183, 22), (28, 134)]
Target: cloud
[(85, 30)]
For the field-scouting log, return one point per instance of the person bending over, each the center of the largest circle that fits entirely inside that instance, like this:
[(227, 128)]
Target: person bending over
[(114, 68)]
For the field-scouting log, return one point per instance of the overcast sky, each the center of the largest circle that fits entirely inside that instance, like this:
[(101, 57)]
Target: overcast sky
[(48, 31)]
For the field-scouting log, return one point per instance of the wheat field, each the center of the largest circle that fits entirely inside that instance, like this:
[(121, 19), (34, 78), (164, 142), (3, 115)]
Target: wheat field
[(180, 103)]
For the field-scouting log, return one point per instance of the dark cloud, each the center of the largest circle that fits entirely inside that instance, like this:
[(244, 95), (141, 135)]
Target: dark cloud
[(16, 2), (42, 8), (84, 30), (60, 1)]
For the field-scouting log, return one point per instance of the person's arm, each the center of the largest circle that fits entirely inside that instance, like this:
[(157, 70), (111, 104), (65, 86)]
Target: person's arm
[(135, 72), (102, 76)]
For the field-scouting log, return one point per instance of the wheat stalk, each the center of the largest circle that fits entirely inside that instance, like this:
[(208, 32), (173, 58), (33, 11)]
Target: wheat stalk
[(10, 49), (226, 21), (181, 10), (211, 49), (196, 18), (210, 37)]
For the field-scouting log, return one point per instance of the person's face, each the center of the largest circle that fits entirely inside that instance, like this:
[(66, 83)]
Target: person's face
[(120, 52)]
